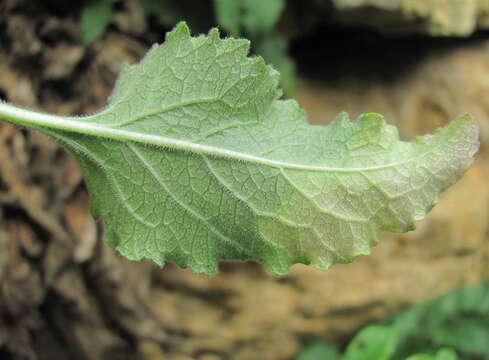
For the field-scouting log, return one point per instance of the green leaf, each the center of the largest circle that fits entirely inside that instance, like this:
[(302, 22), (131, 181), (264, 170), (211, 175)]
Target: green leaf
[(256, 17), (459, 320), (420, 357), (170, 12), (318, 351), (375, 342), (274, 49), (470, 335), (446, 354), (196, 160), (95, 18), (261, 16), (228, 15), (443, 354)]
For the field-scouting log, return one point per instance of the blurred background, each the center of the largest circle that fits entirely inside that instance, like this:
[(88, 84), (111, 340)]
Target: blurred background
[(65, 295)]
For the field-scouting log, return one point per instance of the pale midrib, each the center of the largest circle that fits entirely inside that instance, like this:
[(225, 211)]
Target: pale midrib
[(35, 119)]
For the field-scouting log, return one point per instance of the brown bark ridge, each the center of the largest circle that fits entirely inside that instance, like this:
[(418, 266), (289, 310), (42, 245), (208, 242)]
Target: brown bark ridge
[(65, 295)]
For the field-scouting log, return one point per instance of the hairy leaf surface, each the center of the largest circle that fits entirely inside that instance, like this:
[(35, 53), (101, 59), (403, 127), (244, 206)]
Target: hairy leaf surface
[(197, 160)]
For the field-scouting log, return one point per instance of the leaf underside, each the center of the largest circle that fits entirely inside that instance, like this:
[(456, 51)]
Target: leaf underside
[(247, 177)]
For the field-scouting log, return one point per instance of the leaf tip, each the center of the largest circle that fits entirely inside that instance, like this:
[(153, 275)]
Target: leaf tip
[(343, 117), (463, 132), (470, 129), (180, 31), (214, 34), (372, 118), (111, 238), (342, 120)]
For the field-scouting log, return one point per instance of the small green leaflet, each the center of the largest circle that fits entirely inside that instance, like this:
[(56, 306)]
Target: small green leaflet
[(375, 342), (197, 160), (256, 17), (96, 16)]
